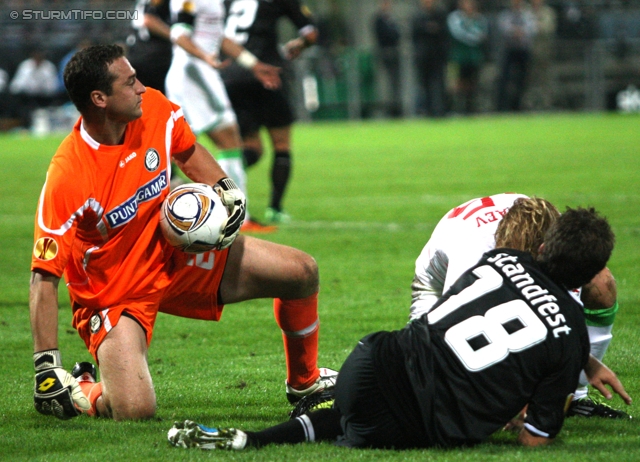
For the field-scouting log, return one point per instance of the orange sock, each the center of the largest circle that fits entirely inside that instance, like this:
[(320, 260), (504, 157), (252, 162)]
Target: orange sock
[(92, 391), (299, 322)]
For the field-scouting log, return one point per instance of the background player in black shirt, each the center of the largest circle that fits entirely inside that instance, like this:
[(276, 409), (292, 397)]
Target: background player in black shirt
[(149, 46), (253, 24), (507, 334)]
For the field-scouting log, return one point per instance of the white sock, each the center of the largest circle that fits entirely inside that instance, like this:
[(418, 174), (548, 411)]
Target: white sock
[(600, 338)]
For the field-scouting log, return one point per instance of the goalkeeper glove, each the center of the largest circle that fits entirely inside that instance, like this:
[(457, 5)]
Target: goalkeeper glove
[(236, 203), (56, 391)]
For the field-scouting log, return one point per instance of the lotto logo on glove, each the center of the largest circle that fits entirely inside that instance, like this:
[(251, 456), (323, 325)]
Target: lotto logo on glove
[(46, 384)]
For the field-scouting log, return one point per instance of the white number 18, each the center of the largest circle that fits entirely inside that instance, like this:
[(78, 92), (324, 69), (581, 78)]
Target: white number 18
[(498, 341)]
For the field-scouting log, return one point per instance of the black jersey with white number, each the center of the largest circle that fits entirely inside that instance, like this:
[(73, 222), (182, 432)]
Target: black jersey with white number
[(503, 336), (143, 43), (253, 24)]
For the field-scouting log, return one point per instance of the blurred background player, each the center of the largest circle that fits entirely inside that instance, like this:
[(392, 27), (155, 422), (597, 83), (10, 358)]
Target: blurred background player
[(194, 83), (467, 231), (149, 45), (517, 27), (253, 23), (34, 86), (540, 94), (469, 31), (149, 49), (430, 40), (387, 34)]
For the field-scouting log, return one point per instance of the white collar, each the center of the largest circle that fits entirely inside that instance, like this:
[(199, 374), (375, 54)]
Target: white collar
[(87, 138)]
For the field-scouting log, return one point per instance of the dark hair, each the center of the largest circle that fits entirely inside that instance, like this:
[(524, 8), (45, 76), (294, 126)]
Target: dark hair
[(525, 224), (576, 247), (88, 70)]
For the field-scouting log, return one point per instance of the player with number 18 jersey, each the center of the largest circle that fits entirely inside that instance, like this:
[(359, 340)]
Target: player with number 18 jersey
[(505, 335)]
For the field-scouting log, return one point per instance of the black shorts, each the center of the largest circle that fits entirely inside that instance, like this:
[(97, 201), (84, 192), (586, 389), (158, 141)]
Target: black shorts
[(254, 105), (367, 418)]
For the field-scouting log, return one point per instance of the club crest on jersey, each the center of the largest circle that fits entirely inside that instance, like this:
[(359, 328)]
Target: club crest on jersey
[(46, 249), (152, 160), (96, 323)]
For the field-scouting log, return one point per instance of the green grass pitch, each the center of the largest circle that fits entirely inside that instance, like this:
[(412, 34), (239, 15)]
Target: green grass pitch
[(364, 198)]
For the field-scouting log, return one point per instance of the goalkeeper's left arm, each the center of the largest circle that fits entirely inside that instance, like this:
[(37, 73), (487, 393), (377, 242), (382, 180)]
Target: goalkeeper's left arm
[(56, 391)]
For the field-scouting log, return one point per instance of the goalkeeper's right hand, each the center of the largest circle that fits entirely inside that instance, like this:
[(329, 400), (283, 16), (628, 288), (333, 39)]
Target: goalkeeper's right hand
[(56, 391)]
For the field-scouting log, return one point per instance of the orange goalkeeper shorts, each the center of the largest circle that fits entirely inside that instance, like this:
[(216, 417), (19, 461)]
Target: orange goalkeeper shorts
[(192, 293)]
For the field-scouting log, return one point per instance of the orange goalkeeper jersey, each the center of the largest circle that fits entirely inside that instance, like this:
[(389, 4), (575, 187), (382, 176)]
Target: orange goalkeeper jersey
[(98, 213)]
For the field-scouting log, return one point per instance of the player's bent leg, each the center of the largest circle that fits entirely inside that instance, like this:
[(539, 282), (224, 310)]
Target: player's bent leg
[(253, 142), (226, 137), (127, 388), (261, 269), (250, 156), (298, 320)]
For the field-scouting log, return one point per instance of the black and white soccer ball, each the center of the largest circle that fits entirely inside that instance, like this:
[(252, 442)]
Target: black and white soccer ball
[(192, 218)]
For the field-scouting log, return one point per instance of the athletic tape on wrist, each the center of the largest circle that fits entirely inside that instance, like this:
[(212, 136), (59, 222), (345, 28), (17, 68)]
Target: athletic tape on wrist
[(178, 30), (246, 59)]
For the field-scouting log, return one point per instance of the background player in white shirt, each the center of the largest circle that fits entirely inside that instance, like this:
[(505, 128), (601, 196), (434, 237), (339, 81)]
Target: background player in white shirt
[(460, 239), (194, 83)]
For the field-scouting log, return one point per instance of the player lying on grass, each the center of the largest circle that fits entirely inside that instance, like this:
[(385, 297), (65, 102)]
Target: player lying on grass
[(466, 232), (507, 334), (97, 225)]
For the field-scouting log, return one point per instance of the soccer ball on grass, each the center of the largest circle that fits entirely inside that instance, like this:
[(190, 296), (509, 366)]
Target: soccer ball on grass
[(192, 218)]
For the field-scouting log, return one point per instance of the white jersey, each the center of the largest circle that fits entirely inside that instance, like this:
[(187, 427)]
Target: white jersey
[(207, 17), (458, 242), (191, 83)]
